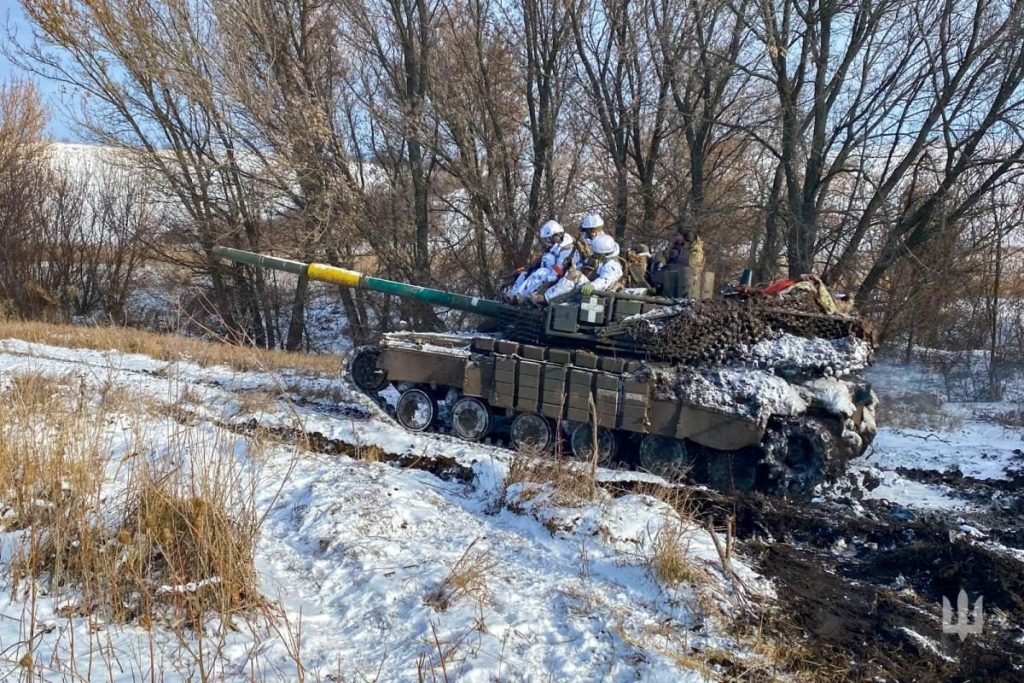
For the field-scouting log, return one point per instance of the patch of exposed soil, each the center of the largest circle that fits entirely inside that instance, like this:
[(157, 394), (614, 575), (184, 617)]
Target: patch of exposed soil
[(441, 466), (862, 588)]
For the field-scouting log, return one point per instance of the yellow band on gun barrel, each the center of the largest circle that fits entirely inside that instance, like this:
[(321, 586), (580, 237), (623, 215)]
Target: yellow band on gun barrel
[(341, 276)]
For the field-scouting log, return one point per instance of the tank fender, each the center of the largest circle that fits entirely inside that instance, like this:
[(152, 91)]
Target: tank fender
[(711, 428), (422, 367)]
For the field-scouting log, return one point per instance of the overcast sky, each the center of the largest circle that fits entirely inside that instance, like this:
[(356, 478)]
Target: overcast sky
[(12, 19)]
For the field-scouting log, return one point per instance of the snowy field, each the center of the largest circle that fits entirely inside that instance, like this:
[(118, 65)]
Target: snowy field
[(932, 435), (364, 560), (390, 556)]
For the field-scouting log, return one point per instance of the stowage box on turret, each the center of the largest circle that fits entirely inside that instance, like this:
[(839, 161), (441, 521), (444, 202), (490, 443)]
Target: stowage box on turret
[(749, 393)]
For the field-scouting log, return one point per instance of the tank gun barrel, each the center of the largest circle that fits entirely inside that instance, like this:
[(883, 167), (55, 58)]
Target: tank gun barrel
[(350, 278)]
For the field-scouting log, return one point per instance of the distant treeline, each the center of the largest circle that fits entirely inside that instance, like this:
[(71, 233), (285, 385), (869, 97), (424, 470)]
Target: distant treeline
[(878, 144)]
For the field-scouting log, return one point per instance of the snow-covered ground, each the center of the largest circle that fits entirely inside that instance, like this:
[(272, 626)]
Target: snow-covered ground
[(386, 572), (360, 555), (936, 436)]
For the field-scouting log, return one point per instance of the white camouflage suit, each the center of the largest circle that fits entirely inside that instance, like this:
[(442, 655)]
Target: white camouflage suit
[(551, 261), (607, 275)]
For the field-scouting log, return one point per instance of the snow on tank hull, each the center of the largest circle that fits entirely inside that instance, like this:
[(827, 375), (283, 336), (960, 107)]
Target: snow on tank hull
[(739, 428)]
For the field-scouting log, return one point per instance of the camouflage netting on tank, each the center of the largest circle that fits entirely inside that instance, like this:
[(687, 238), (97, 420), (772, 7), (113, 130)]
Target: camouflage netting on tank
[(717, 331)]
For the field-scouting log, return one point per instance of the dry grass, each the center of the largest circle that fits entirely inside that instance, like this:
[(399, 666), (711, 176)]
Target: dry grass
[(569, 482), (169, 347), (180, 537), (166, 536), (369, 453), (467, 578), (50, 460), (668, 559)]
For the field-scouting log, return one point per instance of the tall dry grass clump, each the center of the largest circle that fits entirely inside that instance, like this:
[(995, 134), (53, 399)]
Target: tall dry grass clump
[(467, 578), (187, 540), (568, 481), (113, 524), (51, 473)]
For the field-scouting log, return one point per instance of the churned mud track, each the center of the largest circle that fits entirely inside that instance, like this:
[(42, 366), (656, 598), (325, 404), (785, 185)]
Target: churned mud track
[(442, 466), (860, 586), (860, 583)]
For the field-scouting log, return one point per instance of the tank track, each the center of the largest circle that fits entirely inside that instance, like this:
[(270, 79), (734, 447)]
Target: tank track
[(796, 455)]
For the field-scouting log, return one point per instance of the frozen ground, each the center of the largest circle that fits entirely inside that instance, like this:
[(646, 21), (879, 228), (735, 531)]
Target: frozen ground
[(354, 550), (927, 434), (359, 554)]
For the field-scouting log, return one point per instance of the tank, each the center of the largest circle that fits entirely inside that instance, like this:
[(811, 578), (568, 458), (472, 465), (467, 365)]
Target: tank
[(743, 392)]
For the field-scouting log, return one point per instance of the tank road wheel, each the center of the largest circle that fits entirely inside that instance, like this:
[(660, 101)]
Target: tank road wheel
[(582, 443), (415, 410), (532, 432), (365, 373), (471, 419), (665, 456), (801, 453), (731, 471)]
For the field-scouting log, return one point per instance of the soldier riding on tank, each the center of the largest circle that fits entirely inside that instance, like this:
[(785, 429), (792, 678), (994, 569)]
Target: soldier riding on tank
[(602, 271), (676, 272), (558, 247)]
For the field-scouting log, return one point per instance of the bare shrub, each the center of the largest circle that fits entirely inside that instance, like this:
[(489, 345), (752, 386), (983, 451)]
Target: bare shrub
[(23, 288), (467, 578), (916, 410), (1011, 419)]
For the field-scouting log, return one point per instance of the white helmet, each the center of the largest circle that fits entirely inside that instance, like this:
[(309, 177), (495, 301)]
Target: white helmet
[(551, 232), (605, 245), (591, 222)]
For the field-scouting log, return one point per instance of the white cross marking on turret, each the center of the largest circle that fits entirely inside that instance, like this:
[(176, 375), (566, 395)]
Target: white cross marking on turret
[(590, 309)]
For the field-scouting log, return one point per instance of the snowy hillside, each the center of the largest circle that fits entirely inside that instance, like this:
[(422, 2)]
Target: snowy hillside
[(364, 558), (384, 555)]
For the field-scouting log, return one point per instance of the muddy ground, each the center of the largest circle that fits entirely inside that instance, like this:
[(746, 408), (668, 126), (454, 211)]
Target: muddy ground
[(859, 582)]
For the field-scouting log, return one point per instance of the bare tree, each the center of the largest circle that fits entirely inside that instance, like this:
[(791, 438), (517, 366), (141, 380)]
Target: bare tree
[(971, 133), (627, 86), (160, 106), (286, 82), (702, 45), (22, 181), (838, 70), (395, 40)]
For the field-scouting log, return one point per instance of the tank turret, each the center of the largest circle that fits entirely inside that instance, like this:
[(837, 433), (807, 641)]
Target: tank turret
[(744, 392)]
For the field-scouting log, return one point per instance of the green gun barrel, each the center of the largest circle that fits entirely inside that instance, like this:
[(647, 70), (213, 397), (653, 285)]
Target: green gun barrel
[(351, 278)]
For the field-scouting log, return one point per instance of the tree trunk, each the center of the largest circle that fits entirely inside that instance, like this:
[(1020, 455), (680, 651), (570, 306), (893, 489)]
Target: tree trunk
[(621, 201), (297, 320)]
